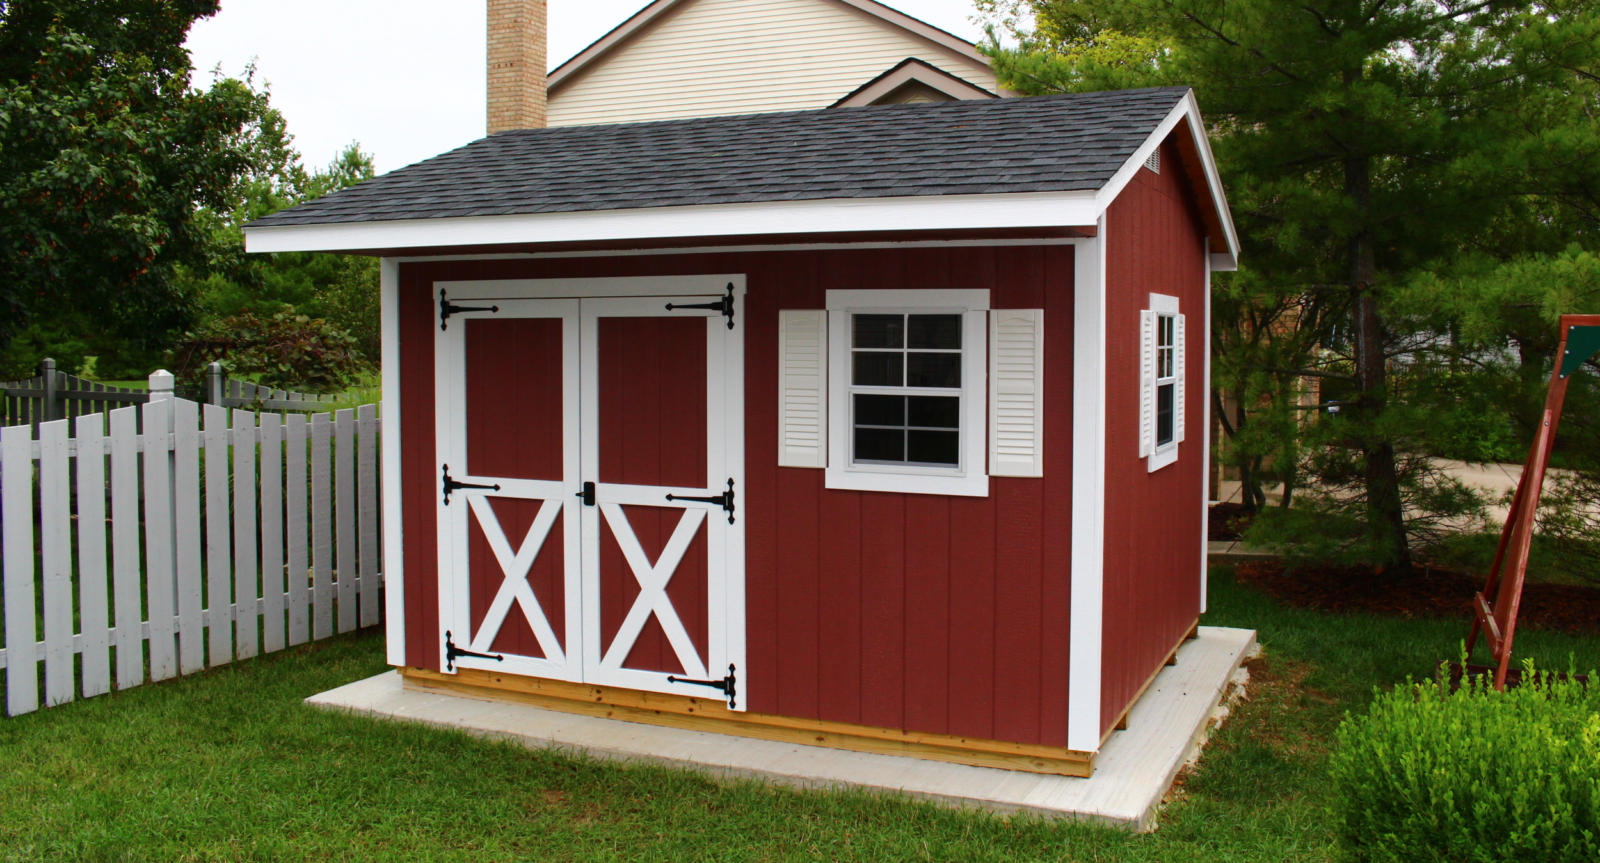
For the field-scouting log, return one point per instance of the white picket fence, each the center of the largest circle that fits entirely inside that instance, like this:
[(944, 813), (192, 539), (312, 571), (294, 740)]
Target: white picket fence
[(221, 546)]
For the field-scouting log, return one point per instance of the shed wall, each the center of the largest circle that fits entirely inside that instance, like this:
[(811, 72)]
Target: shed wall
[(1153, 553), (718, 57), (934, 614)]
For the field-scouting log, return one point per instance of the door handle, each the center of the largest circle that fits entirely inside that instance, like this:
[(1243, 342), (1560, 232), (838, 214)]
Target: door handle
[(587, 494)]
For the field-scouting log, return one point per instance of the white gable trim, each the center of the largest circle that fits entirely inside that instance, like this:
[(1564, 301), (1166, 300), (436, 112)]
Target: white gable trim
[(909, 70), (1189, 108), (642, 21)]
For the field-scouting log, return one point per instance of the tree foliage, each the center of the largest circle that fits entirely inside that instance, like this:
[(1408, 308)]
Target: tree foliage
[(286, 351), (1415, 185), (107, 155)]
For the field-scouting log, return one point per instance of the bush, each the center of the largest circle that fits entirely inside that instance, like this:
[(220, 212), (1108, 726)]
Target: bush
[(286, 351), (1473, 775)]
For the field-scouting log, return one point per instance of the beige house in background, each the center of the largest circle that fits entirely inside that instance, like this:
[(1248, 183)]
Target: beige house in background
[(696, 58)]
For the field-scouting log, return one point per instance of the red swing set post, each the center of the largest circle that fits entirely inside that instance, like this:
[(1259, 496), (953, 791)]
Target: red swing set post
[(1496, 618)]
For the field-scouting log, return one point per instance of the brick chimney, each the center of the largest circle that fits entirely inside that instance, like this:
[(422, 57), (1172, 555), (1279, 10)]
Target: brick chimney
[(518, 34)]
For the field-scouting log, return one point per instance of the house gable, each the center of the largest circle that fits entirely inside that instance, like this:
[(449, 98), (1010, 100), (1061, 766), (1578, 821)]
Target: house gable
[(694, 58)]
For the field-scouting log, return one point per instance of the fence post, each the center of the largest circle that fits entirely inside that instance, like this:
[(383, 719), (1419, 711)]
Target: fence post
[(216, 384), (162, 385), (48, 409)]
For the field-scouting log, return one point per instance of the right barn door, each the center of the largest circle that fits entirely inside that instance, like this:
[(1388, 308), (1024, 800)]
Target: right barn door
[(662, 442)]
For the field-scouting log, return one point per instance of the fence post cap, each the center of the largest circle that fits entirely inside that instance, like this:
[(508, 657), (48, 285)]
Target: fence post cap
[(161, 381)]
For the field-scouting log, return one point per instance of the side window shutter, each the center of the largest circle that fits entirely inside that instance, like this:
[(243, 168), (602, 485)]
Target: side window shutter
[(803, 388), (1147, 383), (1178, 414), (1016, 405)]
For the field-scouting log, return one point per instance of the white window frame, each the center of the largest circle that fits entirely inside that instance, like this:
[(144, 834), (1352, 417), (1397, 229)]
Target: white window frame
[(970, 478), (1165, 307)]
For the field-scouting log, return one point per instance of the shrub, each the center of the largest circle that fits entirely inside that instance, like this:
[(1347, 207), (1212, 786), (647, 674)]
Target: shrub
[(287, 351), (1473, 775)]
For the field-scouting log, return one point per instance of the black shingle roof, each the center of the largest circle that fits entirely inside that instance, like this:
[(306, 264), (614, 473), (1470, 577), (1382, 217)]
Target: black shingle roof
[(1047, 144)]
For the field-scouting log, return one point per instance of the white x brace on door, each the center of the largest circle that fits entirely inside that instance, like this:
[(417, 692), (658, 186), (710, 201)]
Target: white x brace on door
[(591, 448)]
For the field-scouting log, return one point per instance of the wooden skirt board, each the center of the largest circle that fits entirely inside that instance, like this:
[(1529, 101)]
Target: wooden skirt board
[(712, 715)]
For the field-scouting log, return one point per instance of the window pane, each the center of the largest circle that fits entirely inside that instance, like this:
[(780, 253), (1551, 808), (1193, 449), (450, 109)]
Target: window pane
[(933, 370), (880, 410), (936, 411), (879, 331), (935, 447), (880, 445), (1164, 416), (873, 369), (937, 332)]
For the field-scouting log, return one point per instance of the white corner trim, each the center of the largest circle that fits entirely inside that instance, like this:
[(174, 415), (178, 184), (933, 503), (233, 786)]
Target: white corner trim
[(1188, 109), (394, 588), (1088, 494), (832, 216), (972, 300), (1205, 445)]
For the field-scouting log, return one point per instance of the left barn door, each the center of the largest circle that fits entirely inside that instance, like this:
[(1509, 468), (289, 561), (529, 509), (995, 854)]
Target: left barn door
[(510, 583)]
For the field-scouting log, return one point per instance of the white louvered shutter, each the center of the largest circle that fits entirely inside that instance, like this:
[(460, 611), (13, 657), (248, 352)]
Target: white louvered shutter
[(803, 388), (1147, 383), (1178, 414), (1016, 377)]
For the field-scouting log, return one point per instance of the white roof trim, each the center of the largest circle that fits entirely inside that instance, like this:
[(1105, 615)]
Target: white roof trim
[(580, 64), (909, 70), (829, 215), (1188, 108)]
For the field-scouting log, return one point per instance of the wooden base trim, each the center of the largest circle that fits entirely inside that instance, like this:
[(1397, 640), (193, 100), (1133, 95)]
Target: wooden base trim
[(1172, 659), (694, 714)]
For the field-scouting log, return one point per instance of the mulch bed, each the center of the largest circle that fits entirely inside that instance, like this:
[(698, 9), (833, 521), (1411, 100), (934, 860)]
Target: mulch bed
[(1431, 593), (1227, 521)]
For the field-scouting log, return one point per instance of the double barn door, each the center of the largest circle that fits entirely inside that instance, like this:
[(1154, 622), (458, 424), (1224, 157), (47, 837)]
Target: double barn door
[(590, 454)]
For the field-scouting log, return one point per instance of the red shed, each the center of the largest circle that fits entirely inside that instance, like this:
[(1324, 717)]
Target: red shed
[(875, 428)]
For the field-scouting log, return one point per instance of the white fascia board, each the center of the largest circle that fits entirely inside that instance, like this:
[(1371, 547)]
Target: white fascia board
[(832, 215), (1225, 260)]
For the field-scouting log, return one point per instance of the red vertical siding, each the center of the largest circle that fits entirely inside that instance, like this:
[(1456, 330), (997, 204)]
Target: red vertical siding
[(1153, 557), (934, 614)]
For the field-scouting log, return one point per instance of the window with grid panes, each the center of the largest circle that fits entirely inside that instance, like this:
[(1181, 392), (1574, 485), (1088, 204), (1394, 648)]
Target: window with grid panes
[(905, 389), (1166, 378)]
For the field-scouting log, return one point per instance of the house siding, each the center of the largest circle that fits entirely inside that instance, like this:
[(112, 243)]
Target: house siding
[(1153, 553), (935, 614), (720, 57)]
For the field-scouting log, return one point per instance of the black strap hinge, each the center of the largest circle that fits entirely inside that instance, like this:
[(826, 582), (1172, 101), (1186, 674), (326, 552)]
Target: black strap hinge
[(451, 652), (724, 500), (447, 308), (724, 305), (451, 485), (728, 685)]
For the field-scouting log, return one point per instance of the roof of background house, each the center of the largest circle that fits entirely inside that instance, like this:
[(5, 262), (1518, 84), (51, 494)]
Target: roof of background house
[(1004, 146)]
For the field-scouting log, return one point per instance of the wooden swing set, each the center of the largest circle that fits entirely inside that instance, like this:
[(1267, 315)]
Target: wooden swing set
[(1495, 608)]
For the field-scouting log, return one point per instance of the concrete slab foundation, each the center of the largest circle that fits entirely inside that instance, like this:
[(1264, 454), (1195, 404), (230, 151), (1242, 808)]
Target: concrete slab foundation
[(1133, 771)]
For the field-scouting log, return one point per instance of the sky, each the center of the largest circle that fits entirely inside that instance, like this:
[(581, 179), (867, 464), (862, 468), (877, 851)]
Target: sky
[(405, 78)]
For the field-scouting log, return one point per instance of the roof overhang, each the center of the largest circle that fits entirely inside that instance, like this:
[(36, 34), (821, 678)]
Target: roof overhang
[(1037, 214), (912, 71), (660, 11)]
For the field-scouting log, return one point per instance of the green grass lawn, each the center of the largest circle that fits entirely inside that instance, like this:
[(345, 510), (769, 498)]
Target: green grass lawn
[(229, 765)]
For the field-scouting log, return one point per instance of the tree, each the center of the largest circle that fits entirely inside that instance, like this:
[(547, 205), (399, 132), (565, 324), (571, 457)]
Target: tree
[(107, 155), (1363, 144)]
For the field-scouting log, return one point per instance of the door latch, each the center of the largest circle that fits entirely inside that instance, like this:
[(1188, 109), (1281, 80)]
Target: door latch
[(724, 305), (724, 500), (451, 485), (447, 308), (587, 494), (451, 652), (728, 685)]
